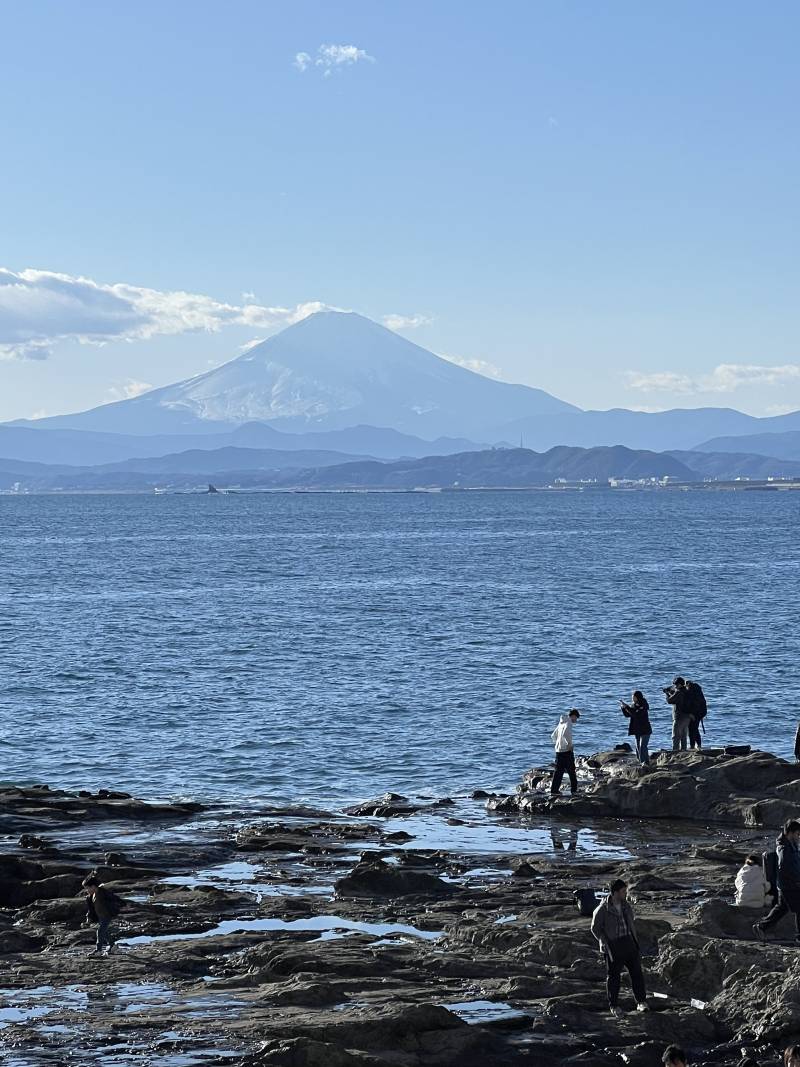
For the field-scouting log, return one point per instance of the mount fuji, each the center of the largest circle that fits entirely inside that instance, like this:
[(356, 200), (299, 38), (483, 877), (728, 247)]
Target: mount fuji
[(330, 371)]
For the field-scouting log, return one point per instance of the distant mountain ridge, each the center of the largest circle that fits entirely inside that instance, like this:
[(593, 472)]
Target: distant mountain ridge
[(489, 468), (89, 448), (340, 373), (784, 445), (331, 371)]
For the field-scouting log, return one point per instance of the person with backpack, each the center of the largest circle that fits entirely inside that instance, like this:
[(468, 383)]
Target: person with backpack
[(639, 726), (788, 849), (613, 926), (752, 887), (102, 907), (698, 709), (565, 754), (677, 695)]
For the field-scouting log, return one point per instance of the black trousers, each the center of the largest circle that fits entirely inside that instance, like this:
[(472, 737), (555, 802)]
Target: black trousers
[(565, 761), (783, 907), (695, 740), (624, 953)]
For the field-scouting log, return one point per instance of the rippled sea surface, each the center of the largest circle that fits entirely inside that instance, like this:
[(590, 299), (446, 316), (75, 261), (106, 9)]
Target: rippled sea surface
[(334, 646)]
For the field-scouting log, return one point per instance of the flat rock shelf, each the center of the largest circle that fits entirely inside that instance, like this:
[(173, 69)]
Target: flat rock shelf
[(405, 932)]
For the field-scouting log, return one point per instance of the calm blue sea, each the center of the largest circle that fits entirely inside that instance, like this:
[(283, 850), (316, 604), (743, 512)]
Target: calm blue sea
[(331, 647)]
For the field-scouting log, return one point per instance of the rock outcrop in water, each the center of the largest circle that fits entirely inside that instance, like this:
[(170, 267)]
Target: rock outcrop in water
[(752, 790), (304, 938)]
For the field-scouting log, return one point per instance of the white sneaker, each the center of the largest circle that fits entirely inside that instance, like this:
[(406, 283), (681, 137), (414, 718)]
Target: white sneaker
[(617, 1013), (641, 1006)]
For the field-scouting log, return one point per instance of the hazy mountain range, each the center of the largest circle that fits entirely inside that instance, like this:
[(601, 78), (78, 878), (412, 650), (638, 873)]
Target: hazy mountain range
[(337, 383), (252, 468)]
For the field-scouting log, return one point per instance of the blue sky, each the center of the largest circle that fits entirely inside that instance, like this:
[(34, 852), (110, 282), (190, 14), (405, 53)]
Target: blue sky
[(600, 199)]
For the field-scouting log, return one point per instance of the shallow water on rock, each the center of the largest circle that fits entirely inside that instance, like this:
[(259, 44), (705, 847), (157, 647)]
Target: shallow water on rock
[(321, 923), (484, 1011)]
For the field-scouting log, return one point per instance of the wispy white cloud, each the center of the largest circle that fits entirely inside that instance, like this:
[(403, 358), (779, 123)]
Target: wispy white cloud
[(39, 309), (724, 378), (330, 58), (406, 322), (128, 389), (480, 366), (660, 382)]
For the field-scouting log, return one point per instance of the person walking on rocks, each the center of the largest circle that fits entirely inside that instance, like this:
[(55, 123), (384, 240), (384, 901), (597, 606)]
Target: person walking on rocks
[(565, 753), (788, 849), (102, 907), (614, 928), (639, 726), (678, 696)]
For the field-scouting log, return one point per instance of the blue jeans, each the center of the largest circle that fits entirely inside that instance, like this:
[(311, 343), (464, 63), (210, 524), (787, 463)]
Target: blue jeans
[(642, 741), (103, 936)]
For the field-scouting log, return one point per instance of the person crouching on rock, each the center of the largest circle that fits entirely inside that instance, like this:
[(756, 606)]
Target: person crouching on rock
[(639, 726), (565, 754), (788, 849), (752, 887), (613, 926), (102, 907)]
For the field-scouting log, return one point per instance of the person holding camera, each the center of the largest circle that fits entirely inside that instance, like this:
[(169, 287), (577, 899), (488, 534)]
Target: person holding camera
[(639, 726), (679, 697)]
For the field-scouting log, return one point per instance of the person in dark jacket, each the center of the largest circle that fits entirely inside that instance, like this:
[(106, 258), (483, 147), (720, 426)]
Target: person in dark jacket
[(639, 726), (678, 696), (698, 709), (613, 926), (102, 907), (788, 849)]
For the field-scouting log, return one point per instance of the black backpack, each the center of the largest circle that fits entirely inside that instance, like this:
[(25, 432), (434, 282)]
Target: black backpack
[(586, 901), (698, 706)]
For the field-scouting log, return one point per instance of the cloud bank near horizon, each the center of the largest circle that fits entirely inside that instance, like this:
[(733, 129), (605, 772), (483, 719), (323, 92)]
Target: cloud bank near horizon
[(40, 309), (724, 378)]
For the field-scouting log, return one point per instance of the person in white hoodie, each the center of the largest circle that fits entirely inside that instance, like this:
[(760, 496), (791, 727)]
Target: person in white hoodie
[(752, 888), (565, 755)]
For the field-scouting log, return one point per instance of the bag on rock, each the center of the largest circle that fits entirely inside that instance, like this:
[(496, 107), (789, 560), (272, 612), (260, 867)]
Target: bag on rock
[(586, 901)]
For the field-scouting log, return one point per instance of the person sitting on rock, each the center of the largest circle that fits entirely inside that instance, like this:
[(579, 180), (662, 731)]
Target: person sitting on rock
[(674, 1056), (639, 726), (752, 887), (678, 696), (613, 926), (788, 849), (565, 754), (102, 907)]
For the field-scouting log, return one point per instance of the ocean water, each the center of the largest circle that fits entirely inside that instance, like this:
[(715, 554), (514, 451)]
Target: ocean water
[(329, 647)]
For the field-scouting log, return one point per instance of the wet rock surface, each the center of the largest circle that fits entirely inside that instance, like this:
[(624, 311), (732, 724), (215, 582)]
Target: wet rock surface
[(407, 933)]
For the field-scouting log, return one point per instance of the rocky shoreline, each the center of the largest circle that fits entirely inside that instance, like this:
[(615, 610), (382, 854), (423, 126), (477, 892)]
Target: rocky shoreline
[(404, 932)]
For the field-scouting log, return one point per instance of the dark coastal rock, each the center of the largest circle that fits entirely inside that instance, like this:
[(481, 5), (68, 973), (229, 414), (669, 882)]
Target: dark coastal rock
[(302, 1052), (18, 804), (390, 805), (411, 1034), (754, 790), (374, 878)]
